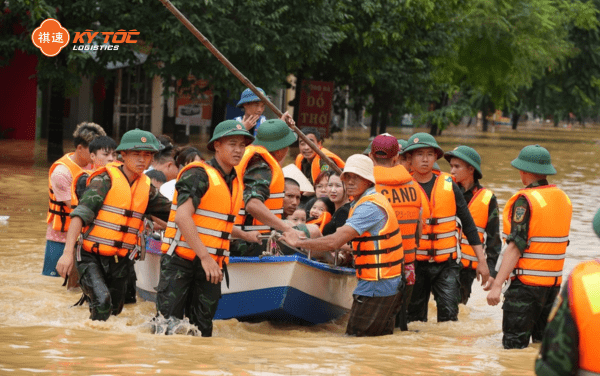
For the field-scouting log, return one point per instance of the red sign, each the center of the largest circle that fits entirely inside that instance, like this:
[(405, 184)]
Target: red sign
[(194, 103), (315, 105)]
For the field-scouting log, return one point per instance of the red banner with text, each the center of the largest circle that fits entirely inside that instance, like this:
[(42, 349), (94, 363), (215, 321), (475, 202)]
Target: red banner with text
[(316, 99)]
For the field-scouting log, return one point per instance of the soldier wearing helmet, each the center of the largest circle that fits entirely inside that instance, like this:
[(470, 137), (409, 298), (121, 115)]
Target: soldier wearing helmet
[(465, 164), (438, 266), (109, 218), (536, 222)]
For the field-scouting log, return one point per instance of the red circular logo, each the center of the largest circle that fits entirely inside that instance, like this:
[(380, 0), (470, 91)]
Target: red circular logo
[(416, 140), (238, 126), (144, 139)]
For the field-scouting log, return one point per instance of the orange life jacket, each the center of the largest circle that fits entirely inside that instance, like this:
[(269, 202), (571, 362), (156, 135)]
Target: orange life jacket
[(275, 201), (116, 228), (440, 235), (323, 219), (315, 166), (479, 207), (58, 211), (378, 256), (584, 301), (74, 197), (549, 224), (403, 192), (214, 217)]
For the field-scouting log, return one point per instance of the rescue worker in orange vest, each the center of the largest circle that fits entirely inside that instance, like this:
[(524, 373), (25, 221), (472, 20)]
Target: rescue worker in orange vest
[(465, 164), (571, 342), (377, 248), (536, 223), (404, 193), (60, 179), (438, 265), (264, 185), (109, 218), (201, 222), (308, 161)]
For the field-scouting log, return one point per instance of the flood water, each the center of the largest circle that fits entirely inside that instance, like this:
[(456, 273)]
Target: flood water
[(41, 334)]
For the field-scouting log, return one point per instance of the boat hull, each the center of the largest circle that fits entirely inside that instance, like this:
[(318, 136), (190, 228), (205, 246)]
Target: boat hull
[(278, 288)]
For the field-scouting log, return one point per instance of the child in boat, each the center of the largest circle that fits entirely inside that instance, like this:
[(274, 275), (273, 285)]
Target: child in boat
[(299, 216), (320, 212)]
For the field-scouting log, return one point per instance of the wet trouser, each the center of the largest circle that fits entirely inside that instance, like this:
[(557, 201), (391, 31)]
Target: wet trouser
[(373, 316), (53, 252), (467, 276), (130, 294), (443, 280), (401, 317), (103, 279), (183, 288), (526, 310)]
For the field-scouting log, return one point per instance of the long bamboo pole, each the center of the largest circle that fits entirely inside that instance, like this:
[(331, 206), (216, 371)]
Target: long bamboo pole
[(246, 81)]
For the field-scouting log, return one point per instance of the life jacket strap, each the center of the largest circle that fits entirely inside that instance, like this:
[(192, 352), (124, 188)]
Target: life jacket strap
[(120, 211), (408, 221), (537, 273), (110, 243), (121, 228), (382, 251), (438, 236), (543, 256), (379, 265), (435, 252), (178, 243), (376, 237), (438, 221)]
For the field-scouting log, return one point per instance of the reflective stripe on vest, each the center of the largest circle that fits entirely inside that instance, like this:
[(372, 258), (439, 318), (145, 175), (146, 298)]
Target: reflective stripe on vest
[(479, 207), (405, 196), (274, 203), (549, 224), (58, 211), (213, 218), (439, 213), (379, 256), (584, 303), (583, 372), (116, 228)]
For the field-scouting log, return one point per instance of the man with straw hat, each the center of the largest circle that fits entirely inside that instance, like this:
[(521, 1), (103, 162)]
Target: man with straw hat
[(465, 164), (438, 256), (196, 242), (536, 223), (571, 339), (109, 217), (378, 254)]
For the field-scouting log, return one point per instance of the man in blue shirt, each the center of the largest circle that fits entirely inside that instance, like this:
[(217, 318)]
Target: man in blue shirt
[(377, 248)]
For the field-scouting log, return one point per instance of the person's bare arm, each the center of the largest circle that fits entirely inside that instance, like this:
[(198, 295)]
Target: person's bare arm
[(509, 261), (66, 261), (259, 210), (331, 242), (249, 236)]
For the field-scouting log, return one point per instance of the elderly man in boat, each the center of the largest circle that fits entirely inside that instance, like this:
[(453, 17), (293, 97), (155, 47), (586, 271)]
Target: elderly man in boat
[(377, 248)]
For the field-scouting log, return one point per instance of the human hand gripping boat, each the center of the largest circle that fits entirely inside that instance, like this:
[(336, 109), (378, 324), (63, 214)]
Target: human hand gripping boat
[(290, 288)]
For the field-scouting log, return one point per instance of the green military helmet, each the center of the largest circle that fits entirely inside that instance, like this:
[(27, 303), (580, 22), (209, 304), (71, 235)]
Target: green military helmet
[(468, 155), (534, 159), (137, 139), (596, 223), (423, 140), (229, 128), (402, 144), (274, 135)]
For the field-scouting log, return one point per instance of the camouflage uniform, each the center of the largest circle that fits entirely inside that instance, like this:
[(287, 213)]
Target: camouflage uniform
[(559, 354), (183, 287), (257, 181), (493, 244), (526, 308), (104, 278)]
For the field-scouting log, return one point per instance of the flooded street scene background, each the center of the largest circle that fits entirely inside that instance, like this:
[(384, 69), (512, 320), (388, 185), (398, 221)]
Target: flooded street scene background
[(41, 333)]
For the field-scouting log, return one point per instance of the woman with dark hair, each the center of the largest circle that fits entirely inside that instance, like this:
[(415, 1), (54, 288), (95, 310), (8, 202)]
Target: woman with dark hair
[(185, 155), (339, 197)]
